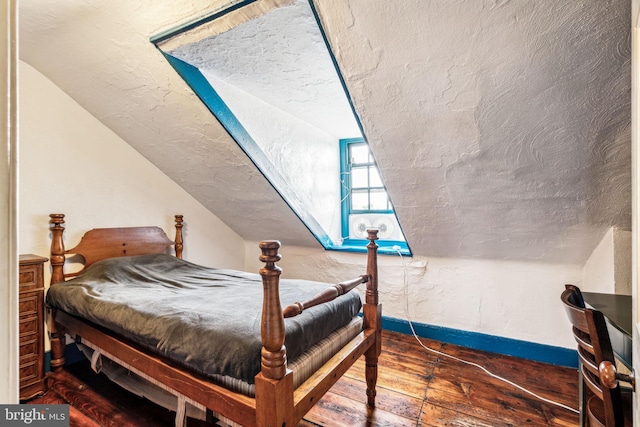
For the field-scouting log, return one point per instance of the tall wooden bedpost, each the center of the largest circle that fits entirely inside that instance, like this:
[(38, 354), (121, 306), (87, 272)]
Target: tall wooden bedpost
[(372, 311), (57, 258), (178, 245), (56, 225), (274, 383)]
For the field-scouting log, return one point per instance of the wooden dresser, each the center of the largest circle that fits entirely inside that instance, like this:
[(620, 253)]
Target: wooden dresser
[(31, 312)]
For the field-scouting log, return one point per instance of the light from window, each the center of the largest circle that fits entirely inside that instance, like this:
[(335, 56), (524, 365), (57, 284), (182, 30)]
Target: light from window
[(367, 192), (365, 202)]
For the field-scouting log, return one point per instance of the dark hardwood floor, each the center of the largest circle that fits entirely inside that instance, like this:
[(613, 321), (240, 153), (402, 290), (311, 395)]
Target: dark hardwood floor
[(415, 388)]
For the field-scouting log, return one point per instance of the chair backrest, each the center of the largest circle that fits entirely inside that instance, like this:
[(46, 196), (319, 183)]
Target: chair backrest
[(594, 347)]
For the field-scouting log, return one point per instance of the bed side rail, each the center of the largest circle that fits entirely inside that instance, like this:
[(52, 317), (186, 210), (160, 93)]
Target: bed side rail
[(327, 295), (333, 292)]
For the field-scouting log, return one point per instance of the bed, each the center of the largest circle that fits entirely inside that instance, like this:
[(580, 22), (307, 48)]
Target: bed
[(293, 356)]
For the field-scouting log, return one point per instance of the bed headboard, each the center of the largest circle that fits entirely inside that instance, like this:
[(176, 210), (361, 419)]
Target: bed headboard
[(101, 243)]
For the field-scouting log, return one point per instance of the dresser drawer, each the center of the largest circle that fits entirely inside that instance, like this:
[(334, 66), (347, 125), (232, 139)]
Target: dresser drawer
[(29, 371), (29, 347), (31, 326), (29, 304), (29, 278)]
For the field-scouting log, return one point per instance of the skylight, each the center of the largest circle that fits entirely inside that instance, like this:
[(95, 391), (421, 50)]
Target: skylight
[(264, 70)]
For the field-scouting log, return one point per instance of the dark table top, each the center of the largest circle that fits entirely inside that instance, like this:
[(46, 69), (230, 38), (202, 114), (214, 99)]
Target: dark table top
[(616, 308)]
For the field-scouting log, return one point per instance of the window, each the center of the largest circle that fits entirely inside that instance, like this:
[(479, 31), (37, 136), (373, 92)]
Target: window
[(266, 72), (364, 200), (364, 185)]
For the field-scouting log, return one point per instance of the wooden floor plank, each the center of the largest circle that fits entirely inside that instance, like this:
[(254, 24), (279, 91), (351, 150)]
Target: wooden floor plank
[(388, 400), (415, 388), (334, 410), (536, 376), (524, 371), (470, 391), (436, 416), (79, 418), (393, 377)]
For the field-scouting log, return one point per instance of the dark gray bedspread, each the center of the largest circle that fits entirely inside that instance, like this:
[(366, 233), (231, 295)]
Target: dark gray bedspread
[(204, 318)]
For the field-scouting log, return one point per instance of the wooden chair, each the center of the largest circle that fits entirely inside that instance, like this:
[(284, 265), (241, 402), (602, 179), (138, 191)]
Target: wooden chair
[(609, 406)]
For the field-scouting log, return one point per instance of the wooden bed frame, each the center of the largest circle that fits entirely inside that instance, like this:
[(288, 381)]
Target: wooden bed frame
[(276, 402)]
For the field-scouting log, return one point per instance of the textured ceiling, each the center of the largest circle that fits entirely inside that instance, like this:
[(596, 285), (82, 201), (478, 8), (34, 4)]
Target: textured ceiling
[(290, 70), (502, 128)]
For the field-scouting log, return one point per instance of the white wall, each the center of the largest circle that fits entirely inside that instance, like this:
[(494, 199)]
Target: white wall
[(71, 163), (608, 268), (622, 259), (306, 157), (598, 271), (8, 202), (518, 300)]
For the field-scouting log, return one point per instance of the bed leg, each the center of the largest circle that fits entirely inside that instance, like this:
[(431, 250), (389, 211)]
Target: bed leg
[(58, 343), (372, 354), (371, 374)]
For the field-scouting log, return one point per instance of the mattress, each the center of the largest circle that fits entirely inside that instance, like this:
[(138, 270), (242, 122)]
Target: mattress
[(199, 317)]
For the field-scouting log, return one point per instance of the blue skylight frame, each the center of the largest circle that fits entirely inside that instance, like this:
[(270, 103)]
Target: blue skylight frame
[(212, 100)]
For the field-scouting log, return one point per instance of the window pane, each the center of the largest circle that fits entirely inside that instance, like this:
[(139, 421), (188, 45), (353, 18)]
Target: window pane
[(359, 153), (359, 200), (379, 200), (374, 177), (359, 178)]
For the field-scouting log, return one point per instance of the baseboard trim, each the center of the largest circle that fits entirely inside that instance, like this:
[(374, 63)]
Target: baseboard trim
[(491, 343)]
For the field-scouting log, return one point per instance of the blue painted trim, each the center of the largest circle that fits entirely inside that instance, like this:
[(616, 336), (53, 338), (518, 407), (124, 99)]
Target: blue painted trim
[(345, 195), (210, 98), (383, 244), (382, 250), (491, 343), (385, 247)]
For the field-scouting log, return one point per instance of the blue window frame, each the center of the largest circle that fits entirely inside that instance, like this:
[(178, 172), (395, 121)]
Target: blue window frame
[(365, 202), (364, 189)]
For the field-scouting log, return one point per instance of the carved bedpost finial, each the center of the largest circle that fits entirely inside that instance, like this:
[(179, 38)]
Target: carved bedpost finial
[(57, 247), (274, 357), (270, 255), (372, 267), (178, 246)]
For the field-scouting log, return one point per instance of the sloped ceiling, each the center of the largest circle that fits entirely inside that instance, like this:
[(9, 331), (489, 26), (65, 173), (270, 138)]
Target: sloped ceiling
[(502, 128)]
